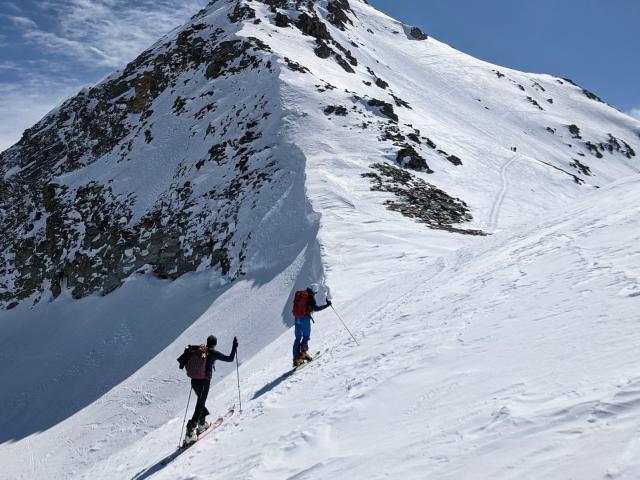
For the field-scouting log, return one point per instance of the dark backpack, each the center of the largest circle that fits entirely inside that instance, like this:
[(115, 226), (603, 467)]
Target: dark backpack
[(301, 304), (194, 359)]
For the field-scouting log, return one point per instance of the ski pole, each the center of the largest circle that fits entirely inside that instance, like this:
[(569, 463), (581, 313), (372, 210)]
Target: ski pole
[(238, 375), (345, 325), (185, 418)]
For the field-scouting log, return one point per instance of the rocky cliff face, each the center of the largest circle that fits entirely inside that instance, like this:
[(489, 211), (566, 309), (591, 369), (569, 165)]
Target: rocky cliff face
[(177, 162), (90, 236)]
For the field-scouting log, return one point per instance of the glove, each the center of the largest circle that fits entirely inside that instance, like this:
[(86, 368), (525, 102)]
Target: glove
[(235, 343), (328, 302)]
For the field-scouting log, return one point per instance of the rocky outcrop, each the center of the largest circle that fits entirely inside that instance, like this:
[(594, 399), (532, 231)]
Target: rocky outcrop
[(417, 199), (90, 237), (418, 34)]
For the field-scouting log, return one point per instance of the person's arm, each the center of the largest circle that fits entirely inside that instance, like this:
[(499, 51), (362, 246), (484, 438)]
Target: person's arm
[(314, 306), (227, 358)]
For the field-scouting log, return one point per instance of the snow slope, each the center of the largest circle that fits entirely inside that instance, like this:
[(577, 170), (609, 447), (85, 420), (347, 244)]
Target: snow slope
[(473, 348), (515, 359)]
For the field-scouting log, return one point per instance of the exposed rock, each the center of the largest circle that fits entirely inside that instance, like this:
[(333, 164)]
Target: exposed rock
[(385, 108), (584, 169), (420, 200), (295, 66), (347, 53), (414, 137), (282, 20), (381, 83), (344, 64), (612, 145), (240, 12), (400, 102), (339, 110), (418, 34), (575, 131), (592, 96), (86, 239), (535, 103), (322, 50), (237, 51), (576, 179), (313, 26), (392, 133), (338, 16), (594, 149), (538, 87), (585, 92), (454, 160), (410, 158)]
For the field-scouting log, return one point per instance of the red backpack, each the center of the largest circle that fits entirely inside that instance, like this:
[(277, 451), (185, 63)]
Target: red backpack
[(194, 359), (301, 304)]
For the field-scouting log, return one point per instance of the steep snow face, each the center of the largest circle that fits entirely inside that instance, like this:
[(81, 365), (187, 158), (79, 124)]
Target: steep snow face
[(388, 117), (516, 359)]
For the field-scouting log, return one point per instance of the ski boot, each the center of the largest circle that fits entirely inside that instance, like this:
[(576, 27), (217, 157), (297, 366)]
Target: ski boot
[(190, 437), (202, 427), (298, 361)]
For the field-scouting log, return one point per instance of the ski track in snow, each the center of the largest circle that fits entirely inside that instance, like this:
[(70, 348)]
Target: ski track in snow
[(497, 204)]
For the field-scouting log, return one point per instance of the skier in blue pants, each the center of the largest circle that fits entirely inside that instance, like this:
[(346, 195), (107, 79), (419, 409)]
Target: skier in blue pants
[(304, 305)]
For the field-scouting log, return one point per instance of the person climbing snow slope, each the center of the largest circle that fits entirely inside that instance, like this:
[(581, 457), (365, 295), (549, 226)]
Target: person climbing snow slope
[(304, 304), (199, 362)]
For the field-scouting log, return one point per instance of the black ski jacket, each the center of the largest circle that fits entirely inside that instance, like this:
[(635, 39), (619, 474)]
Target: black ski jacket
[(312, 305), (213, 355)]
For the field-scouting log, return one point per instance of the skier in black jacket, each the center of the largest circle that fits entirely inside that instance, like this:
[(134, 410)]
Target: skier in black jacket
[(198, 422)]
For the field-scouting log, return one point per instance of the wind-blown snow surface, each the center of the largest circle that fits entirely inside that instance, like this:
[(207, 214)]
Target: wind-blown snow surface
[(495, 361), (516, 359)]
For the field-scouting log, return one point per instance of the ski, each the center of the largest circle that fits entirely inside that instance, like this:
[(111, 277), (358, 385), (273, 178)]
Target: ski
[(211, 428), (315, 355), (183, 448)]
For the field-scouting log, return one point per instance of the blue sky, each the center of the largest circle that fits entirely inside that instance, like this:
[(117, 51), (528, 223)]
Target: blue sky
[(51, 48), (596, 43)]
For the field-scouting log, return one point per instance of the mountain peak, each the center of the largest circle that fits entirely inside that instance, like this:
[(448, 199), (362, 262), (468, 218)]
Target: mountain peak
[(168, 166)]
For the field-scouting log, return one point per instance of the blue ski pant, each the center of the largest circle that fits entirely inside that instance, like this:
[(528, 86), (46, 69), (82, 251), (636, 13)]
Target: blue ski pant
[(303, 335)]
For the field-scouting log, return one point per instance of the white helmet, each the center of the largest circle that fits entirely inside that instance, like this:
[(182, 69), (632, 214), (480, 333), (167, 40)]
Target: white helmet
[(315, 288)]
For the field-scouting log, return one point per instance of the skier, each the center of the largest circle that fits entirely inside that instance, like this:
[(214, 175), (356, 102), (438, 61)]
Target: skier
[(209, 354), (304, 304)]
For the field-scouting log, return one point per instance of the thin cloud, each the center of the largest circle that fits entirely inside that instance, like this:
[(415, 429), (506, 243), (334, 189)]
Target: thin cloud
[(12, 6), (82, 38), (27, 102), (108, 33), (6, 66), (23, 22)]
